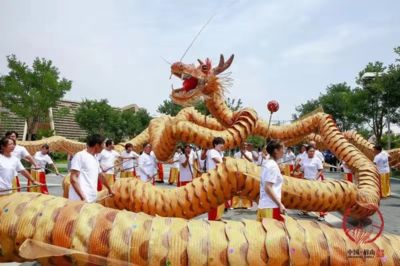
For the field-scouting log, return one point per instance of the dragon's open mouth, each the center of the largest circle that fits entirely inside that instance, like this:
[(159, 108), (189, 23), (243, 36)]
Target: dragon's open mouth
[(190, 87), (189, 82)]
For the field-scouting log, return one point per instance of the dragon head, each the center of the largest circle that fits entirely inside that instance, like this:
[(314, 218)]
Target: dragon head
[(198, 81)]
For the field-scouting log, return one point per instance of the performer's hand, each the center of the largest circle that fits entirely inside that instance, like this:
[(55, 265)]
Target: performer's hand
[(111, 192), (38, 183), (282, 209)]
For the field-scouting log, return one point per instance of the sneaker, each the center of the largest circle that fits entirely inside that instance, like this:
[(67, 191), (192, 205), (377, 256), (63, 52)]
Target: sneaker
[(321, 219)]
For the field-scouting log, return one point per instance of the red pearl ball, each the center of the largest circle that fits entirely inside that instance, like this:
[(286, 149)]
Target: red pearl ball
[(273, 106)]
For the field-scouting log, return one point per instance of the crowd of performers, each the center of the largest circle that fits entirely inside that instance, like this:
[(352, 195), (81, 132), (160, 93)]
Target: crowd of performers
[(95, 168)]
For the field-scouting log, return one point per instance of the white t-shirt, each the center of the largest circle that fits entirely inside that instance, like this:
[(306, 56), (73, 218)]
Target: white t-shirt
[(9, 167), (89, 169), (147, 165), (311, 166), (289, 158), (254, 156), (319, 155), (239, 155), (129, 164), (262, 159), (211, 154), (382, 162), (272, 174), (42, 159), (107, 159), (176, 160), (20, 152), (301, 156), (185, 173), (201, 162)]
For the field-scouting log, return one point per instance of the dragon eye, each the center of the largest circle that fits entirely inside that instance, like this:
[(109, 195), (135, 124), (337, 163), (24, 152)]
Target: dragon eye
[(205, 68)]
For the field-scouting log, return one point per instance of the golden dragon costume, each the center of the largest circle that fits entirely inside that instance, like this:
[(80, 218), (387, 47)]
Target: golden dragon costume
[(90, 234)]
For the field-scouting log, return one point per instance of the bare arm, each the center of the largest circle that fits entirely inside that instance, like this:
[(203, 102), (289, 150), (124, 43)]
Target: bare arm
[(75, 184), (55, 168), (186, 162), (216, 160), (272, 195), (204, 154), (319, 174), (105, 183), (245, 156), (28, 176), (32, 161)]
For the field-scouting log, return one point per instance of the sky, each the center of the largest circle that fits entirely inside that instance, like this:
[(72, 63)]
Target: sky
[(288, 51)]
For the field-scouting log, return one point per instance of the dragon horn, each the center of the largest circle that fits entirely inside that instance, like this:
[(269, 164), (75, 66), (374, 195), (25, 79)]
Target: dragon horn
[(200, 62), (222, 65)]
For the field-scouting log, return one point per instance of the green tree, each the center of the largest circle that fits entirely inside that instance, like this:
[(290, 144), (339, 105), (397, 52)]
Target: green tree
[(30, 92), (306, 108), (378, 98), (99, 117), (338, 101), (168, 107)]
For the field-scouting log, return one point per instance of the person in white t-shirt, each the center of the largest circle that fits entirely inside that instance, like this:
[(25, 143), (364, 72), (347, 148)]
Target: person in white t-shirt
[(348, 174), (147, 169), (270, 204), (201, 164), (214, 157), (381, 161), (263, 156), (186, 162), (85, 171), (254, 153), (239, 202), (42, 158), (21, 153), (318, 154), (289, 159), (107, 159), (299, 157), (10, 166), (129, 158), (312, 168), (174, 170)]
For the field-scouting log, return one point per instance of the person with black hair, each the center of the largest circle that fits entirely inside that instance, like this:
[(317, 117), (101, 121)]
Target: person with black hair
[(186, 162), (10, 166), (85, 171), (129, 157), (107, 159), (21, 153), (147, 165), (312, 168), (381, 161), (174, 170), (43, 159), (270, 204), (214, 157), (299, 158)]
